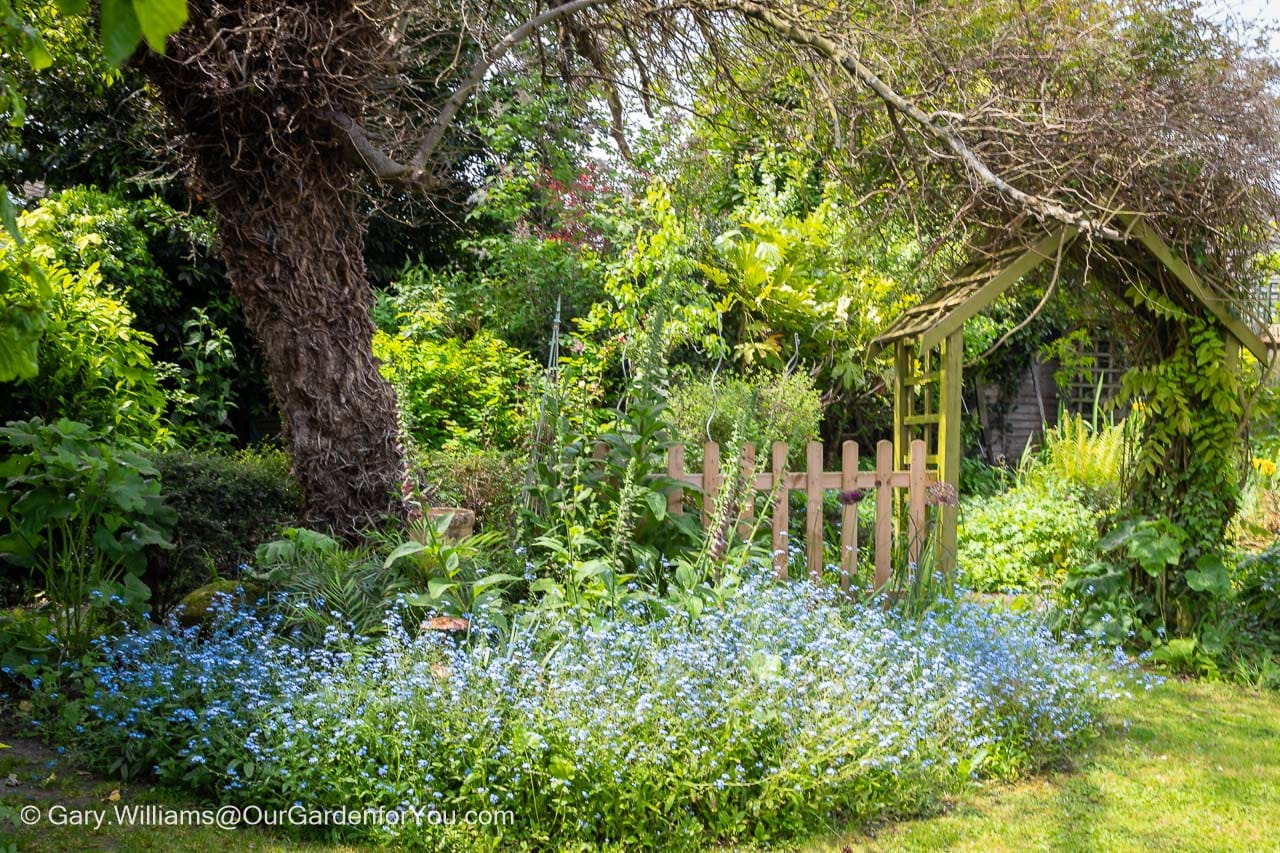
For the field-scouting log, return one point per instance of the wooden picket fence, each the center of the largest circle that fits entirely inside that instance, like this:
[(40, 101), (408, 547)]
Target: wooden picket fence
[(878, 484)]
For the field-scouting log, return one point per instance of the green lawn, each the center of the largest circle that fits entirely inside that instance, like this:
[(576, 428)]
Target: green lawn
[(1198, 768)]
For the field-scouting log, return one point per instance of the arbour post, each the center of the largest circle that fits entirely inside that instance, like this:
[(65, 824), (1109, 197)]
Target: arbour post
[(916, 502), (902, 407), (949, 443)]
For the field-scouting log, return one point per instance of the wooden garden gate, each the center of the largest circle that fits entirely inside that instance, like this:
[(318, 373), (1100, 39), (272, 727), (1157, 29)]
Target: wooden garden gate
[(879, 485)]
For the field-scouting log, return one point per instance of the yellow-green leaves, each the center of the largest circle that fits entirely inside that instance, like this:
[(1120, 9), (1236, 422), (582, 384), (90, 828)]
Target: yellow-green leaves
[(22, 322), (72, 7), (33, 48), (24, 295)]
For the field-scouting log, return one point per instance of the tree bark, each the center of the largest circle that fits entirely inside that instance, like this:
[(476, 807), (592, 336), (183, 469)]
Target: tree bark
[(251, 87), (295, 256)]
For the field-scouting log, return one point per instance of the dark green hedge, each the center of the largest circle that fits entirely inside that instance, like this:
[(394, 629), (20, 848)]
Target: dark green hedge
[(227, 504)]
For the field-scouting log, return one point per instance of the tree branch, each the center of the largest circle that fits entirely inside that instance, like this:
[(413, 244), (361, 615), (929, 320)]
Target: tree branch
[(435, 134), (383, 166), (376, 161), (930, 125)]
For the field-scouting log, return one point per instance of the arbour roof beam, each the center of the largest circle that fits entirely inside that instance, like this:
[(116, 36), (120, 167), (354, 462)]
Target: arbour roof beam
[(1146, 235)]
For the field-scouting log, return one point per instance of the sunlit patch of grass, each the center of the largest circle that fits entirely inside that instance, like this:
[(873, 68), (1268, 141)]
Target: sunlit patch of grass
[(1196, 768)]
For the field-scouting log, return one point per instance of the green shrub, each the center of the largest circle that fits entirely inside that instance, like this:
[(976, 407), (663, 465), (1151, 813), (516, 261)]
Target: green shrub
[(770, 406), (94, 366), (474, 393), (227, 505), (1257, 584), (1023, 538), (25, 647), (980, 480), (485, 481), (315, 585), (139, 247), (596, 523), (512, 295), (79, 512), (114, 281), (202, 405), (453, 575)]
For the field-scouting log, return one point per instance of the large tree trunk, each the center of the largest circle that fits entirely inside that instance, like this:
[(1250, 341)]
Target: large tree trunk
[(251, 87), (295, 258)]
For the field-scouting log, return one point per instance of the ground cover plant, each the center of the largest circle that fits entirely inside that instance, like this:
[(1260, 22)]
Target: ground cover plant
[(762, 721), (1024, 539), (1210, 749)]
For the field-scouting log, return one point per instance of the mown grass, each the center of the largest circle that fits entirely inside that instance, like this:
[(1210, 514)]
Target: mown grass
[(1197, 767)]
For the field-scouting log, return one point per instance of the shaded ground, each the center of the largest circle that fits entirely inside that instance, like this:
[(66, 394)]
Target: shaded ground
[(33, 775), (1197, 768)]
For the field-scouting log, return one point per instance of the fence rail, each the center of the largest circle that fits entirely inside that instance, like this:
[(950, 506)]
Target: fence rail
[(879, 484)]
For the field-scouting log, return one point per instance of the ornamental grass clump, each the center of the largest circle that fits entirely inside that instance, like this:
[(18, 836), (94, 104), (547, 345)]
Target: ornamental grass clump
[(774, 717)]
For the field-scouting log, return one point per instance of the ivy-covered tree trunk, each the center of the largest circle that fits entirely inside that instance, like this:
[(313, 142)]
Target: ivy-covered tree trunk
[(295, 258), (247, 87)]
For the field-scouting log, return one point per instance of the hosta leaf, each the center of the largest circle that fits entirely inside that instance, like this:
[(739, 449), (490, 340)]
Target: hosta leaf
[(1209, 575), (438, 587), (404, 549), (489, 580)]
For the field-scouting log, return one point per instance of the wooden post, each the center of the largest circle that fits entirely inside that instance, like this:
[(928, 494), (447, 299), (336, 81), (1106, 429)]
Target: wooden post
[(813, 508), (781, 509), (949, 443), (600, 450), (884, 512), (675, 470), (915, 501), (1232, 362), (848, 514), (926, 393), (748, 475), (710, 481), (902, 407)]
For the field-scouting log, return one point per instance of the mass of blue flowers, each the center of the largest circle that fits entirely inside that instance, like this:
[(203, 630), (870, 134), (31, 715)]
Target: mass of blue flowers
[(780, 714)]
